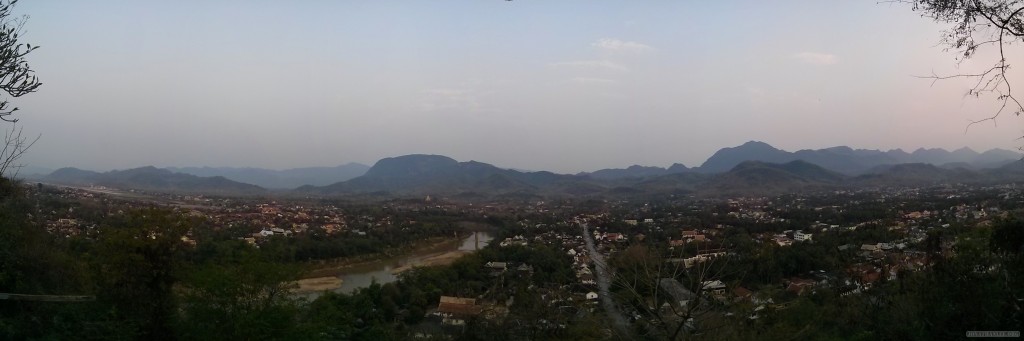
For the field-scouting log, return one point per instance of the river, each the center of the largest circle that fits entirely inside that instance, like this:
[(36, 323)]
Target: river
[(383, 270)]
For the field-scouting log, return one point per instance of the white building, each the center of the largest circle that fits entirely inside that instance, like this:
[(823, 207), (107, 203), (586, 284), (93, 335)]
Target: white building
[(800, 236)]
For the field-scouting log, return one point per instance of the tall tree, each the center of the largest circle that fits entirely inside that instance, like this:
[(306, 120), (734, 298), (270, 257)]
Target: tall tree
[(137, 261), (244, 299)]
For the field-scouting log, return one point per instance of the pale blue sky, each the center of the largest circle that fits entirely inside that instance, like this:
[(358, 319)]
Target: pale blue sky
[(563, 86)]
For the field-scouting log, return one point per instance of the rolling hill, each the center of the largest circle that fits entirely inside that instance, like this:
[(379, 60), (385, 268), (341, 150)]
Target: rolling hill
[(425, 174), (280, 179), (763, 178), (152, 178), (635, 171)]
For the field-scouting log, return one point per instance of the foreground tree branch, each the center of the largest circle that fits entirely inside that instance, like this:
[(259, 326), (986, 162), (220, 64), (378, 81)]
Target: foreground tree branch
[(978, 24), (16, 77), (15, 146)]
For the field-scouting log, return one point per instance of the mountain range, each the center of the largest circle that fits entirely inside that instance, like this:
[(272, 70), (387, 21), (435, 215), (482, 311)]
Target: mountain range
[(840, 159), (441, 174), (636, 171), (751, 168), (851, 161), (281, 179), (151, 178), (434, 174)]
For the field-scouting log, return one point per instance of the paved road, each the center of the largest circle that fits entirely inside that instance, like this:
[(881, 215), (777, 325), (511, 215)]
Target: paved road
[(603, 283)]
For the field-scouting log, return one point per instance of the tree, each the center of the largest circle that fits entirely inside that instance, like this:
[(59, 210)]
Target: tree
[(15, 145), (244, 299), (33, 261), (16, 77), (136, 264), (674, 298), (976, 25)]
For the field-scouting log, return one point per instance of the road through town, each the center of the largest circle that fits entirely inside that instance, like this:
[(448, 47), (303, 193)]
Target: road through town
[(603, 284)]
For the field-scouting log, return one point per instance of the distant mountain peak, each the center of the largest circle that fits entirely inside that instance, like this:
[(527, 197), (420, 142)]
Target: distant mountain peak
[(727, 158), (149, 168), (426, 174), (636, 171), (753, 143), (678, 168), (420, 157), (840, 149), (412, 164)]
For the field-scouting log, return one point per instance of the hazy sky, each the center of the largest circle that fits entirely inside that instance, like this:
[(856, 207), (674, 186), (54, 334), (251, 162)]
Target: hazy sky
[(554, 85)]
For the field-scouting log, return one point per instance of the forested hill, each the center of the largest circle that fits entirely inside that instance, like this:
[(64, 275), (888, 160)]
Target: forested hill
[(280, 179), (152, 178)]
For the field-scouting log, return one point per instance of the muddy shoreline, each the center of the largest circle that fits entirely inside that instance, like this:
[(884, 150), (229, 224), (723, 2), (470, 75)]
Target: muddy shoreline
[(336, 267)]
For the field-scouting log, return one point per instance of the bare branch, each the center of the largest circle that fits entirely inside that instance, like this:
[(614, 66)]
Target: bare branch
[(16, 76), (15, 146), (978, 24)]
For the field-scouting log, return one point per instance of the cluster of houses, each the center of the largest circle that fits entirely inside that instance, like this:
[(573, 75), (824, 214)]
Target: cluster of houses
[(788, 237), (581, 265), (514, 241), (66, 227)]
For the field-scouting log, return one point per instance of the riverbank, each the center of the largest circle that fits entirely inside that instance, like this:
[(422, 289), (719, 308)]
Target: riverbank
[(435, 260), (318, 284), (336, 267), (386, 267)]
